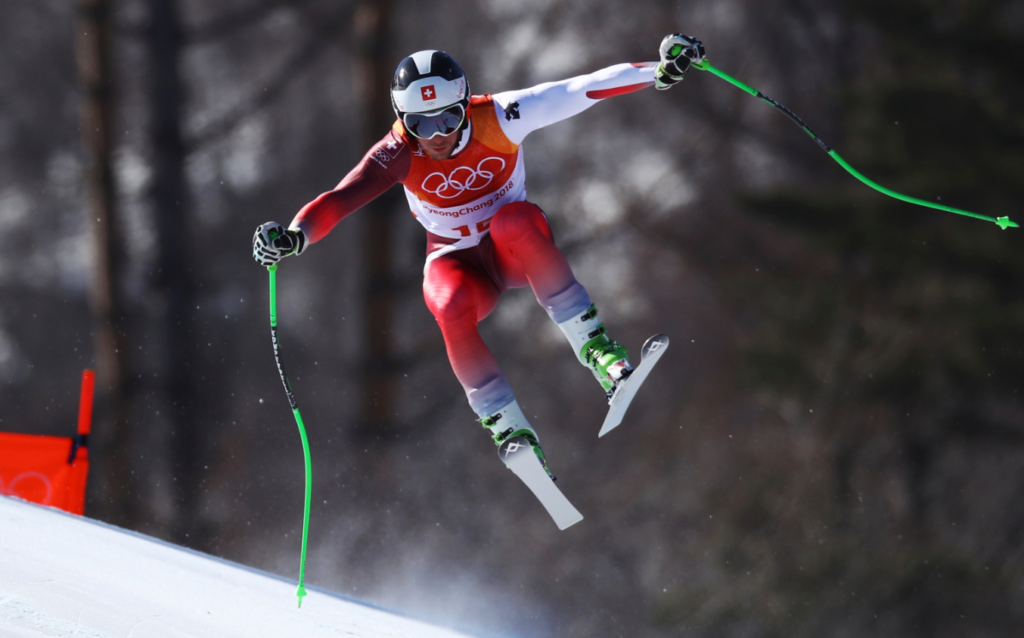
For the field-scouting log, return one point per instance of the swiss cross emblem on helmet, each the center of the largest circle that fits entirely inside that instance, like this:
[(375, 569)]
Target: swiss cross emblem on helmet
[(428, 93)]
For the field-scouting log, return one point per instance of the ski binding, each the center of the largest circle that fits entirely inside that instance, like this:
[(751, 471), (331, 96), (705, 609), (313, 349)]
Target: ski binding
[(624, 393)]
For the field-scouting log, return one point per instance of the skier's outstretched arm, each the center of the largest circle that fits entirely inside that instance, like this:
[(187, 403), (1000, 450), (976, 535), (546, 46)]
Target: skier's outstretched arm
[(524, 111), (384, 165)]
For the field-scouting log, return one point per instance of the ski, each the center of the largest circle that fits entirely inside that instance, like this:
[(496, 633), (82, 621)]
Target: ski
[(518, 455), (624, 393)]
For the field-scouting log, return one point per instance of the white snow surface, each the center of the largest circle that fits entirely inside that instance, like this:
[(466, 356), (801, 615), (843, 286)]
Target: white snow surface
[(63, 575)]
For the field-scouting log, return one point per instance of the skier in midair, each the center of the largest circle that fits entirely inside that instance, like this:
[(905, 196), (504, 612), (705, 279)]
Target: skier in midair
[(458, 156)]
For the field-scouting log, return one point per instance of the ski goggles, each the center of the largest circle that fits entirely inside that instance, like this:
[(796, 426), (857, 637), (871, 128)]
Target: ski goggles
[(429, 125)]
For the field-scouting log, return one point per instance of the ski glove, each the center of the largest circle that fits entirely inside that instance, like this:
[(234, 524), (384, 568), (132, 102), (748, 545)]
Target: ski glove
[(272, 243), (678, 52)]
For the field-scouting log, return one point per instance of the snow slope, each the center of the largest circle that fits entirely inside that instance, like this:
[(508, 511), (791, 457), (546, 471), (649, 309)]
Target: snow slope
[(62, 575)]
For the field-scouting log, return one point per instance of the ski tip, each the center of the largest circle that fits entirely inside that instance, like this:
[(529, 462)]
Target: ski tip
[(654, 344)]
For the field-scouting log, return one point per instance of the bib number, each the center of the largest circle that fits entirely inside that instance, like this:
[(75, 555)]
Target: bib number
[(481, 227)]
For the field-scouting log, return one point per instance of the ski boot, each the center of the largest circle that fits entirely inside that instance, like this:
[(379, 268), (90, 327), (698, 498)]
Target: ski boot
[(606, 358), (510, 423)]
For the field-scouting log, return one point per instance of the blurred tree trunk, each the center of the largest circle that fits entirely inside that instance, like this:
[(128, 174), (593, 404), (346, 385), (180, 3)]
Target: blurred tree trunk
[(373, 77), (114, 445), (174, 281)]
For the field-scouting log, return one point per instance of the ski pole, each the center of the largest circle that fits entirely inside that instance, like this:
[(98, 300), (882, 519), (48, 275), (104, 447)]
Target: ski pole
[(272, 269), (1002, 222)]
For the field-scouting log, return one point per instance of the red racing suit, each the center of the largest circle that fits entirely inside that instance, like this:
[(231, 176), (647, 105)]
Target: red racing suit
[(482, 236)]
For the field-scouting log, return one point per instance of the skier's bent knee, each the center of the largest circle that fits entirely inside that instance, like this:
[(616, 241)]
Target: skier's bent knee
[(456, 308)]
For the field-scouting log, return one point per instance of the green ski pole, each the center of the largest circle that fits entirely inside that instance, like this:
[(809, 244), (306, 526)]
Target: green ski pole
[(272, 269), (1002, 222)]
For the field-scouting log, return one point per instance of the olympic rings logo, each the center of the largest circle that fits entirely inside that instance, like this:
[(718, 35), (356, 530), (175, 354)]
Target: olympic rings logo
[(12, 489), (462, 179)]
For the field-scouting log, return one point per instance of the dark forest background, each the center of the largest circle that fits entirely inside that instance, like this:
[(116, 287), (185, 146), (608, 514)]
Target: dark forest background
[(833, 446)]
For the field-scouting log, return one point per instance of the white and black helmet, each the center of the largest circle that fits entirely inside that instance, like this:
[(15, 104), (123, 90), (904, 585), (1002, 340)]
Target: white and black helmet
[(430, 94)]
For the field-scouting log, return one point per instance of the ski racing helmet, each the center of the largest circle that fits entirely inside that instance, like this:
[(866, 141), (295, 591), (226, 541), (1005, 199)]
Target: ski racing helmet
[(430, 94)]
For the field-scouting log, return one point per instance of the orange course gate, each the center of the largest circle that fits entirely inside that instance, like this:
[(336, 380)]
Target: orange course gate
[(50, 470)]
